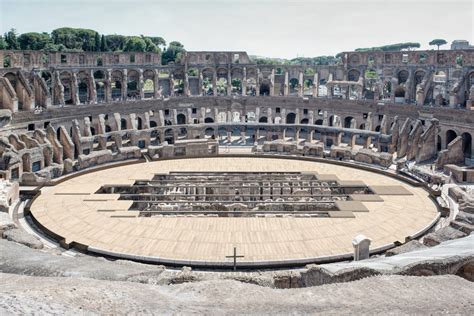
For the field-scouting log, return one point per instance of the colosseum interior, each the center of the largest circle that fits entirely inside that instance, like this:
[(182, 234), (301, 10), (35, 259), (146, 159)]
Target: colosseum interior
[(114, 155)]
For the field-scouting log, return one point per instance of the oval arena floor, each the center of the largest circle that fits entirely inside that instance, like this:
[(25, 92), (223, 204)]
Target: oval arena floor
[(73, 210)]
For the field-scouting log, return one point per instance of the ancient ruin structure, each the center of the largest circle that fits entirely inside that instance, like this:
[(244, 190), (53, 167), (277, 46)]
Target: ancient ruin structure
[(184, 163)]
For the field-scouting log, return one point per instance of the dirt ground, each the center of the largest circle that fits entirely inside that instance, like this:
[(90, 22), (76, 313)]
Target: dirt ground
[(21, 294)]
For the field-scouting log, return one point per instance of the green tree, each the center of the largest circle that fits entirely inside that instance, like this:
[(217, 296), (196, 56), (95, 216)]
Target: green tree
[(134, 44), (75, 38), (115, 42), (97, 42), (11, 39), (173, 53), (103, 44), (33, 40), (149, 45), (438, 42), (157, 40), (3, 44)]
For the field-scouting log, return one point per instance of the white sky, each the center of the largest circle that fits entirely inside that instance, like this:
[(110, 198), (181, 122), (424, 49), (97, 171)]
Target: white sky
[(278, 28)]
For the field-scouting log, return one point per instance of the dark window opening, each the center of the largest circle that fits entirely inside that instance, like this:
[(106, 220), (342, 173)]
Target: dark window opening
[(31, 127)]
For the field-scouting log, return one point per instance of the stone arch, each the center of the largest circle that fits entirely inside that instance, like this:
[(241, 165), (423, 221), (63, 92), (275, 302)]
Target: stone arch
[(209, 132), (116, 84), (169, 136), (402, 76), (263, 119), (347, 121), (290, 118), (123, 124), (318, 122), (450, 136), (7, 61), (66, 80), (83, 86), (208, 120), (139, 123), (353, 75), (133, 82), (467, 145), (293, 84), (399, 92), (181, 119), (149, 83), (153, 124), (264, 88), (304, 121)]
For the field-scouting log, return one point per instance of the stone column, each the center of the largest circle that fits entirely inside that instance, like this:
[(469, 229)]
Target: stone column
[(269, 115), (171, 80), (229, 82), (272, 83), (316, 85), (74, 89), (286, 85), (244, 82), (124, 84), (141, 84), (156, 84), (186, 85), (108, 86), (214, 83), (300, 85)]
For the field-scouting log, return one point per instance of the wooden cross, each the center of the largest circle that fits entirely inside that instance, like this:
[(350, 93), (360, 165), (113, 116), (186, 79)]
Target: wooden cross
[(235, 256)]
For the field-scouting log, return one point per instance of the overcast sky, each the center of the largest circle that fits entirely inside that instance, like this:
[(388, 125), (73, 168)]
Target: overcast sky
[(275, 28)]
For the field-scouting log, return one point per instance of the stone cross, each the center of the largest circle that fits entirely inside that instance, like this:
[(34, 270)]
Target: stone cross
[(235, 256)]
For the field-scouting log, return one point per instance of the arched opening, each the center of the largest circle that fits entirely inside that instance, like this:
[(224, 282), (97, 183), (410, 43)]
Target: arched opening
[(208, 120), (99, 62), (263, 119), (353, 75), (83, 92), (362, 126), (348, 121), (153, 124), (377, 128), (132, 85), (402, 76), (304, 121), (169, 136), (209, 132), (318, 122), (251, 87), (450, 136), (66, 81), (293, 86), (308, 87), (83, 87), (99, 78), (290, 118), (439, 145), (264, 89), (387, 90), (331, 120), (236, 86), (467, 145), (149, 84), (139, 123), (123, 124), (93, 131), (116, 85), (181, 119), (7, 61), (221, 87), (108, 129), (400, 92), (47, 80)]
